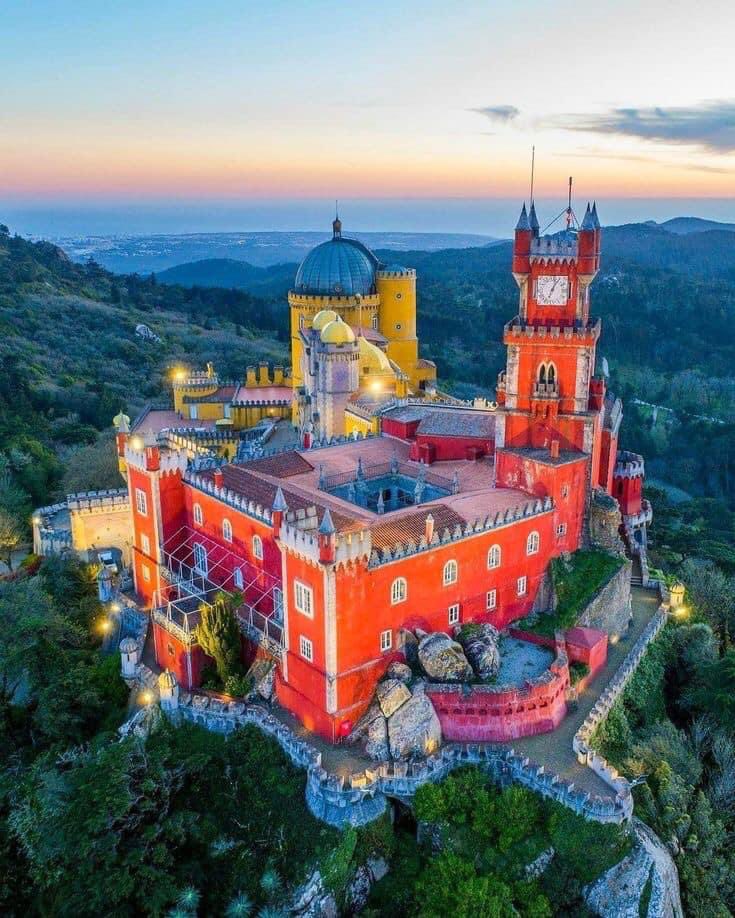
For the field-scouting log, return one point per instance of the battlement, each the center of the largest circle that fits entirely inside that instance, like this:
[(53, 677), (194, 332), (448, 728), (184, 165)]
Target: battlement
[(317, 302), (517, 330), (629, 465), (228, 496), (90, 501), (388, 272)]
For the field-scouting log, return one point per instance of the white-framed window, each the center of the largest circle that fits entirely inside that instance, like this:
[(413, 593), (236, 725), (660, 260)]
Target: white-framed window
[(198, 515), (228, 410), (306, 648), (561, 529), (145, 544), (522, 586), (278, 604), (194, 412), (201, 564), (491, 599), (374, 323), (453, 613), (146, 573), (533, 543), (303, 598), (398, 591), (493, 557), (226, 530), (450, 573), (237, 577), (386, 640), (257, 548), (141, 502)]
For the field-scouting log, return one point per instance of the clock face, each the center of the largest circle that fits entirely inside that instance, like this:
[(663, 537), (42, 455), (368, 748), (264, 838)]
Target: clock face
[(552, 290)]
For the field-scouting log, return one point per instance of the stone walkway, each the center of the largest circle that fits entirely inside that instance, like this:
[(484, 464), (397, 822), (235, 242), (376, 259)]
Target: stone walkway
[(554, 750)]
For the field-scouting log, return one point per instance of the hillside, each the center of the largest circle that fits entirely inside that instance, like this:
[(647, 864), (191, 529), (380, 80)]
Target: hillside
[(695, 225), (231, 274), (70, 358)]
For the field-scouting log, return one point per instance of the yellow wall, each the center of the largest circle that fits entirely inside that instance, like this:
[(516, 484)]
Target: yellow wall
[(103, 528), (356, 424), (248, 415)]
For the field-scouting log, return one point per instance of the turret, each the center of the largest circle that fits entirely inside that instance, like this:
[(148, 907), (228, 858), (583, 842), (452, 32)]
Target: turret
[(588, 246), (628, 482), (522, 245), (533, 220), (279, 508), (327, 539)]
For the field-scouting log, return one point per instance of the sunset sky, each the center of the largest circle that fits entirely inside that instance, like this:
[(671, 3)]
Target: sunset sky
[(162, 106)]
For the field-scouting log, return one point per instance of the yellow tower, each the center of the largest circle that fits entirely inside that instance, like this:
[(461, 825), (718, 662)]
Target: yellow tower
[(397, 290)]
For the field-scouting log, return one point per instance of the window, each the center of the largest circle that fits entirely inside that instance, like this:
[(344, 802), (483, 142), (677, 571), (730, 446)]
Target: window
[(228, 410), (303, 598), (257, 548), (237, 576), (141, 502), (302, 322), (547, 374), (491, 599), (193, 412), (450, 573), (170, 650), (145, 544), (374, 323), (398, 326), (198, 515), (493, 557), (398, 590), (278, 604), (146, 573), (532, 543), (561, 529), (399, 296), (565, 490), (454, 614), (306, 648), (201, 565), (522, 586), (386, 640), (227, 530)]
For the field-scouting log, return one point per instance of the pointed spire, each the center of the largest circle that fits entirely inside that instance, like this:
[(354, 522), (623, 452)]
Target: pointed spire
[(523, 223), (588, 223), (594, 215), (532, 218), (327, 526), (336, 223), (279, 502)]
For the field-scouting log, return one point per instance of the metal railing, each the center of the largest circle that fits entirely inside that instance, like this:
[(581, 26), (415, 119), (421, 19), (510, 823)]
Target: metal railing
[(414, 470)]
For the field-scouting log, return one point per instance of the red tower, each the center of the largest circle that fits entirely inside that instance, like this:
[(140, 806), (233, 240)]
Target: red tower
[(547, 393)]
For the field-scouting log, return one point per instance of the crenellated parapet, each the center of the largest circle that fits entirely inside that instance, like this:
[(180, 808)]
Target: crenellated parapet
[(492, 521), (517, 330), (629, 465), (96, 501), (206, 485)]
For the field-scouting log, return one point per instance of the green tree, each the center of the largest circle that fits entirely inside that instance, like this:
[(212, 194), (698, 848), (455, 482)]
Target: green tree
[(450, 885), (219, 635), (11, 537)]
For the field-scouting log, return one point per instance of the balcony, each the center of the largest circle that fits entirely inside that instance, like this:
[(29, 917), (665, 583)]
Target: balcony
[(546, 391)]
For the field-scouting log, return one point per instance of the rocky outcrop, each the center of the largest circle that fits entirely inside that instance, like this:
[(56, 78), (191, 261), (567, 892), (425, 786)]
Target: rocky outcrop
[(480, 645), (377, 740), (358, 890), (442, 659), (645, 882), (399, 671), (313, 900), (263, 675), (391, 695), (414, 730)]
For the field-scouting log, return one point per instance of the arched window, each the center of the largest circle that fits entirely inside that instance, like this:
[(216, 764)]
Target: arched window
[(493, 557), (551, 374), (532, 543), (546, 374), (450, 573), (257, 548), (398, 590), (198, 515), (201, 564), (227, 530), (237, 575), (542, 374)]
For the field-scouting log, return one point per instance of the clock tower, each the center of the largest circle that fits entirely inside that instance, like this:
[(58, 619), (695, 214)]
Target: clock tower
[(547, 395)]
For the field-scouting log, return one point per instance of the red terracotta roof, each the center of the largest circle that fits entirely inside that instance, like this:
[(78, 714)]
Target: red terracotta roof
[(413, 525), (282, 465)]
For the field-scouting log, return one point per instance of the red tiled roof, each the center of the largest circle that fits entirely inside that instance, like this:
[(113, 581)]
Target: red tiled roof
[(282, 465), (413, 525)]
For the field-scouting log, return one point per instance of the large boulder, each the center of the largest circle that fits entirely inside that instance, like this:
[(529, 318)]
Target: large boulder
[(480, 644), (443, 659), (414, 729), (377, 739), (361, 728), (391, 694), (263, 675), (399, 671)]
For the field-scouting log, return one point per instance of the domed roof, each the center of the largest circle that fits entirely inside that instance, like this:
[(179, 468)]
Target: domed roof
[(339, 267), (128, 645), (337, 332), (372, 359), (322, 318), (167, 679)]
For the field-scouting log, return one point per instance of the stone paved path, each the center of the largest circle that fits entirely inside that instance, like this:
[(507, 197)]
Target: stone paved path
[(555, 749)]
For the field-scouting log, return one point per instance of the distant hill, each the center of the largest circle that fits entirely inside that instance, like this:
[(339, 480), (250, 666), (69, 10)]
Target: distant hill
[(686, 225), (231, 274)]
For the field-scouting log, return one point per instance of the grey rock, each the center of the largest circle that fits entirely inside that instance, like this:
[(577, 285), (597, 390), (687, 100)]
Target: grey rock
[(414, 730), (361, 728), (263, 674), (443, 659), (399, 671), (200, 702), (480, 644), (409, 643), (377, 739), (391, 694), (313, 900)]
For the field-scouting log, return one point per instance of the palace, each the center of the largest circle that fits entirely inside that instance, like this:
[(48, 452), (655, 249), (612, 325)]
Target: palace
[(395, 509)]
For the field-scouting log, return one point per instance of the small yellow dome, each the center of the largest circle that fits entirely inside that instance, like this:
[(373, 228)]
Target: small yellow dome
[(372, 359), (322, 318), (337, 332)]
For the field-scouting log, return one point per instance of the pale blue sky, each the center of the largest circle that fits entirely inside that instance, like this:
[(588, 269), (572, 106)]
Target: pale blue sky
[(147, 106)]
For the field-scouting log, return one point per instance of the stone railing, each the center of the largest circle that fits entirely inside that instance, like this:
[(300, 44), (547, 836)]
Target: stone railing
[(581, 744), (116, 498), (360, 797)]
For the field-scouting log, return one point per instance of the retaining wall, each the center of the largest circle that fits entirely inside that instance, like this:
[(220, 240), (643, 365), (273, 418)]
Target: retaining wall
[(609, 608)]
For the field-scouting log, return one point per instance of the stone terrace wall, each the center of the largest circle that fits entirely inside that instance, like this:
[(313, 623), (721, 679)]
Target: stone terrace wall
[(498, 713), (609, 608)]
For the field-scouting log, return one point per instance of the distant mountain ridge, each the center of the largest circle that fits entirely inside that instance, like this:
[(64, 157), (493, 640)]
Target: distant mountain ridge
[(686, 225)]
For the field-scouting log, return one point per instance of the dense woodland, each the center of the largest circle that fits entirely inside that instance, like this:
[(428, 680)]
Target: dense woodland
[(188, 823)]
